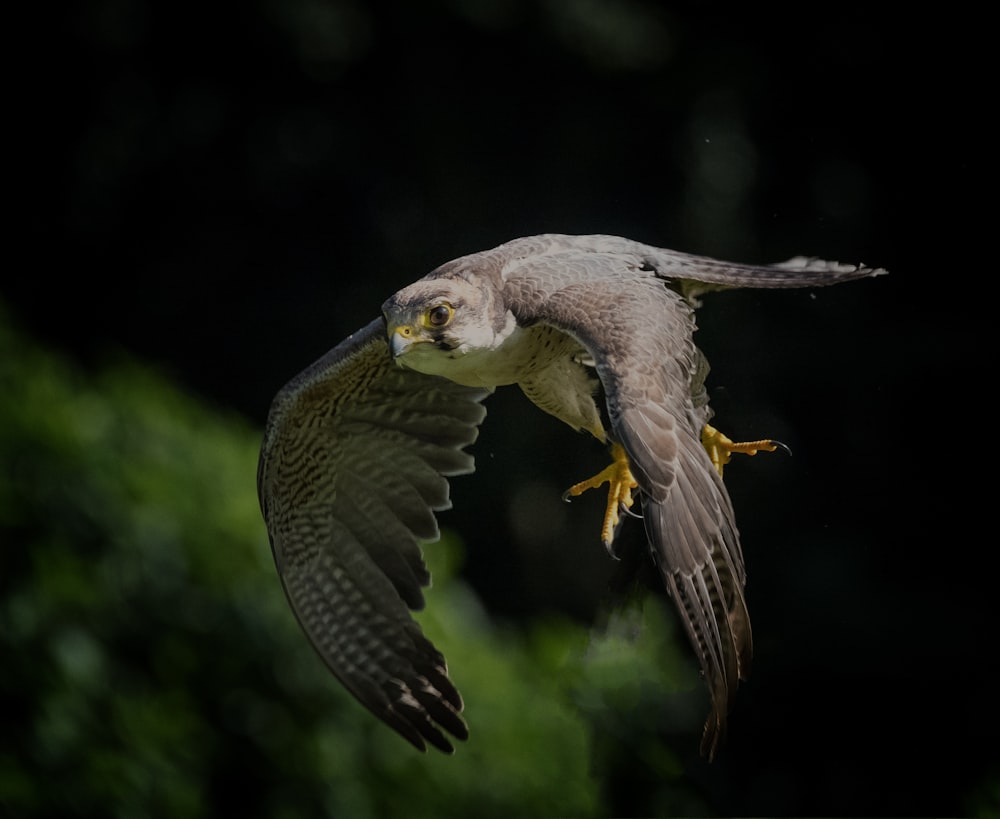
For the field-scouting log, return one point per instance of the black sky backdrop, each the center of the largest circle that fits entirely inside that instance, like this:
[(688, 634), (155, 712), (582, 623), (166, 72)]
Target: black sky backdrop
[(228, 192)]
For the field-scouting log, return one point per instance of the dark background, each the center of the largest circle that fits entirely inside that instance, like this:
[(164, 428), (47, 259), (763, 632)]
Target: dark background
[(229, 193)]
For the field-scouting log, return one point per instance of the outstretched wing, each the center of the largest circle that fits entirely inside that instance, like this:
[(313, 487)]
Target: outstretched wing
[(646, 359), (631, 306), (351, 471), (551, 259), (686, 510)]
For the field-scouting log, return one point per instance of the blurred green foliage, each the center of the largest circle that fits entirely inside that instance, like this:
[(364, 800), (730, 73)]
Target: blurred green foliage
[(151, 666)]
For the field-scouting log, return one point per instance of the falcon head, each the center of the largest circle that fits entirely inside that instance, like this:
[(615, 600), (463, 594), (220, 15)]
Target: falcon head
[(447, 326)]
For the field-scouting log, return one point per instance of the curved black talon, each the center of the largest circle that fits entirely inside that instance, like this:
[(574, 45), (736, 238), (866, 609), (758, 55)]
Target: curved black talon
[(785, 447)]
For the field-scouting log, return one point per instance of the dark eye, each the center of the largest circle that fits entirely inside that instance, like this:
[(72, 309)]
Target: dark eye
[(440, 315)]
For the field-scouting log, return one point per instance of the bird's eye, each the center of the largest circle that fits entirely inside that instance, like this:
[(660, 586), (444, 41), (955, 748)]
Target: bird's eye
[(439, 315)]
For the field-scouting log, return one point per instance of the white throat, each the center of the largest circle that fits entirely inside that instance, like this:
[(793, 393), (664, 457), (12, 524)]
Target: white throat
[(484, 359)]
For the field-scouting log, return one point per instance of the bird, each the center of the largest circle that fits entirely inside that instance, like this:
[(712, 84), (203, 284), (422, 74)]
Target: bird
[(596, 330)]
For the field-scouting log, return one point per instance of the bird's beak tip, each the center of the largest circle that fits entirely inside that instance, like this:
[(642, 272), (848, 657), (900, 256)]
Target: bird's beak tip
[(400, 339)]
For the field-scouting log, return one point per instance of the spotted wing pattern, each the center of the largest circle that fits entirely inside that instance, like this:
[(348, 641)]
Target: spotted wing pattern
[(352, 468), (357, 451)]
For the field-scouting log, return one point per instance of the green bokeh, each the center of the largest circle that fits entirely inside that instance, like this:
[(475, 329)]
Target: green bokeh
[(153, 667)]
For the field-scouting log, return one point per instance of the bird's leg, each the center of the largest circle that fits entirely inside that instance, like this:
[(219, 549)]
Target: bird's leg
[(720, 448), (620, 499)]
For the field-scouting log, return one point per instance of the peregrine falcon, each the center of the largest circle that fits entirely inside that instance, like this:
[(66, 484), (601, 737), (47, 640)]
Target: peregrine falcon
[(596, 330)]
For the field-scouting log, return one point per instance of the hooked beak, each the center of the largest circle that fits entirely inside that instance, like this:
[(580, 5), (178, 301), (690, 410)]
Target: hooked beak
[(401, 338)]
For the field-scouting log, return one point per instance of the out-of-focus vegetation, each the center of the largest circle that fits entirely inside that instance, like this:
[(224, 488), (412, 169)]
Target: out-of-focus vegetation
[(237, 188), (152, 667)]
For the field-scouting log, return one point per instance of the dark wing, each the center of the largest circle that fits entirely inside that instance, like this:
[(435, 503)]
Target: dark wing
[(350, 473)]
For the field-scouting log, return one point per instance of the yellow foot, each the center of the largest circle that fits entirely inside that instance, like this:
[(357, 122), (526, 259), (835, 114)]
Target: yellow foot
[(621, 483), (720, 448)]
